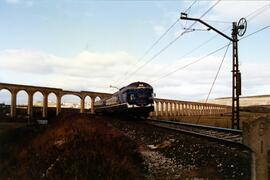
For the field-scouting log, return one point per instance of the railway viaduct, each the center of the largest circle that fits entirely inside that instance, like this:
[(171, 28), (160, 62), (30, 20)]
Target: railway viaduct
[(45, 91), (163, 107)]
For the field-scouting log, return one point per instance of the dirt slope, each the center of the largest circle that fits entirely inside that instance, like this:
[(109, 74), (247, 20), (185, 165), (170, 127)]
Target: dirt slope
[(76, 147)]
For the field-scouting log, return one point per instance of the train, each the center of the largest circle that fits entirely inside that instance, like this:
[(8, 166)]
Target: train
[(135, 100)]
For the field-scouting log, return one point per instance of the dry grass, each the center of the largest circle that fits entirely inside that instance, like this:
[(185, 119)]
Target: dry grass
[(76, 147)]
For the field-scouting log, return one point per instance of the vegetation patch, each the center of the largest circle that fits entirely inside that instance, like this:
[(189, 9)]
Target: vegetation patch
[(76, 147)]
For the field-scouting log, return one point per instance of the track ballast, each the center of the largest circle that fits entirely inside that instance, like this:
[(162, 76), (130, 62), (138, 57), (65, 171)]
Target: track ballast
[(226, 135)]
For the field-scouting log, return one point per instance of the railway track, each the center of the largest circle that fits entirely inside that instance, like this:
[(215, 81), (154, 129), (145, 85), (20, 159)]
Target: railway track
[(226, 135)]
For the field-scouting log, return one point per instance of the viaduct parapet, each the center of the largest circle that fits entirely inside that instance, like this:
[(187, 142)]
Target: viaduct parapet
[(174, 108)]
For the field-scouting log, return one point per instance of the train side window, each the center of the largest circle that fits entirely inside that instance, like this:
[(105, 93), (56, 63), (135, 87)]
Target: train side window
[(132, 97)]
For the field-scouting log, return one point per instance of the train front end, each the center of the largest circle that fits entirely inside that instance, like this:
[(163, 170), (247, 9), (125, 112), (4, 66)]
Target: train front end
[(140, 99)]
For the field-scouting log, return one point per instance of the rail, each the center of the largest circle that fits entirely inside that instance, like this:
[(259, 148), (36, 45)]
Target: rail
[(225, 135)]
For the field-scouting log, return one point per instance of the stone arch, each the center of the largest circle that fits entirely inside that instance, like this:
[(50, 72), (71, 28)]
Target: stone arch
[(72, 102), (97, 98), (87, 102), (5, 102), (22, 100), (37, 104), (3, 96), (52, 104), (21, 103), (52, 99), (38, 99)]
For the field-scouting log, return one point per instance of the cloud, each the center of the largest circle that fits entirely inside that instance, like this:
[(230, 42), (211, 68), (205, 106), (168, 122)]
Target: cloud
[(16, 2), (95, 71), (27, 61), (88, 68), (12, 1)]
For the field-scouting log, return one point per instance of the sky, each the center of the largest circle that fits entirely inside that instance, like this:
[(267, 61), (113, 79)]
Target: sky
[(89, 45)]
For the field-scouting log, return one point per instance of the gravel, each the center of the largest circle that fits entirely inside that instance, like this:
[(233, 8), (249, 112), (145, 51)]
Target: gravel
[(172, 155)]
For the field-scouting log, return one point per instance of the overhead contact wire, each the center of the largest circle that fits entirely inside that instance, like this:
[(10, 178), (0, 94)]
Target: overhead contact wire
[(151, 47), (170, 43), (256, 12), (255, 32), (191, 63), (214, 81)]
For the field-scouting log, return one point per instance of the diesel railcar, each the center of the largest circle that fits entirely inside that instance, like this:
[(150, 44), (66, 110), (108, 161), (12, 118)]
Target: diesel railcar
[(136, 99)]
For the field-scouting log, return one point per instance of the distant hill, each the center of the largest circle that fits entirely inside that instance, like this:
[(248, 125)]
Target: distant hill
[(244, 100)]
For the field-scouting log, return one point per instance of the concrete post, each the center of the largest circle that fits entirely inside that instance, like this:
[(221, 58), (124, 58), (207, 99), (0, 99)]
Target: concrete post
[(82, 105), (191, 109), (30, 104), (256, 137), (184, 109), (166, 109), (13, 103), (92, 105), (156, 108), (58, 104), (188, 109), (177, 109), (181, 110), (45, 105), (201, 110), (171, 109), (161, 108)]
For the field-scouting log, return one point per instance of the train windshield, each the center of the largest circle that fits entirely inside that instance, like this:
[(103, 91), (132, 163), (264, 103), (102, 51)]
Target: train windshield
[(142, 96)]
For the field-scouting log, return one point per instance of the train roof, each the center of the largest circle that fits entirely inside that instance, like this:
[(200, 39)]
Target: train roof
[(136, 85), (139, 84)]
